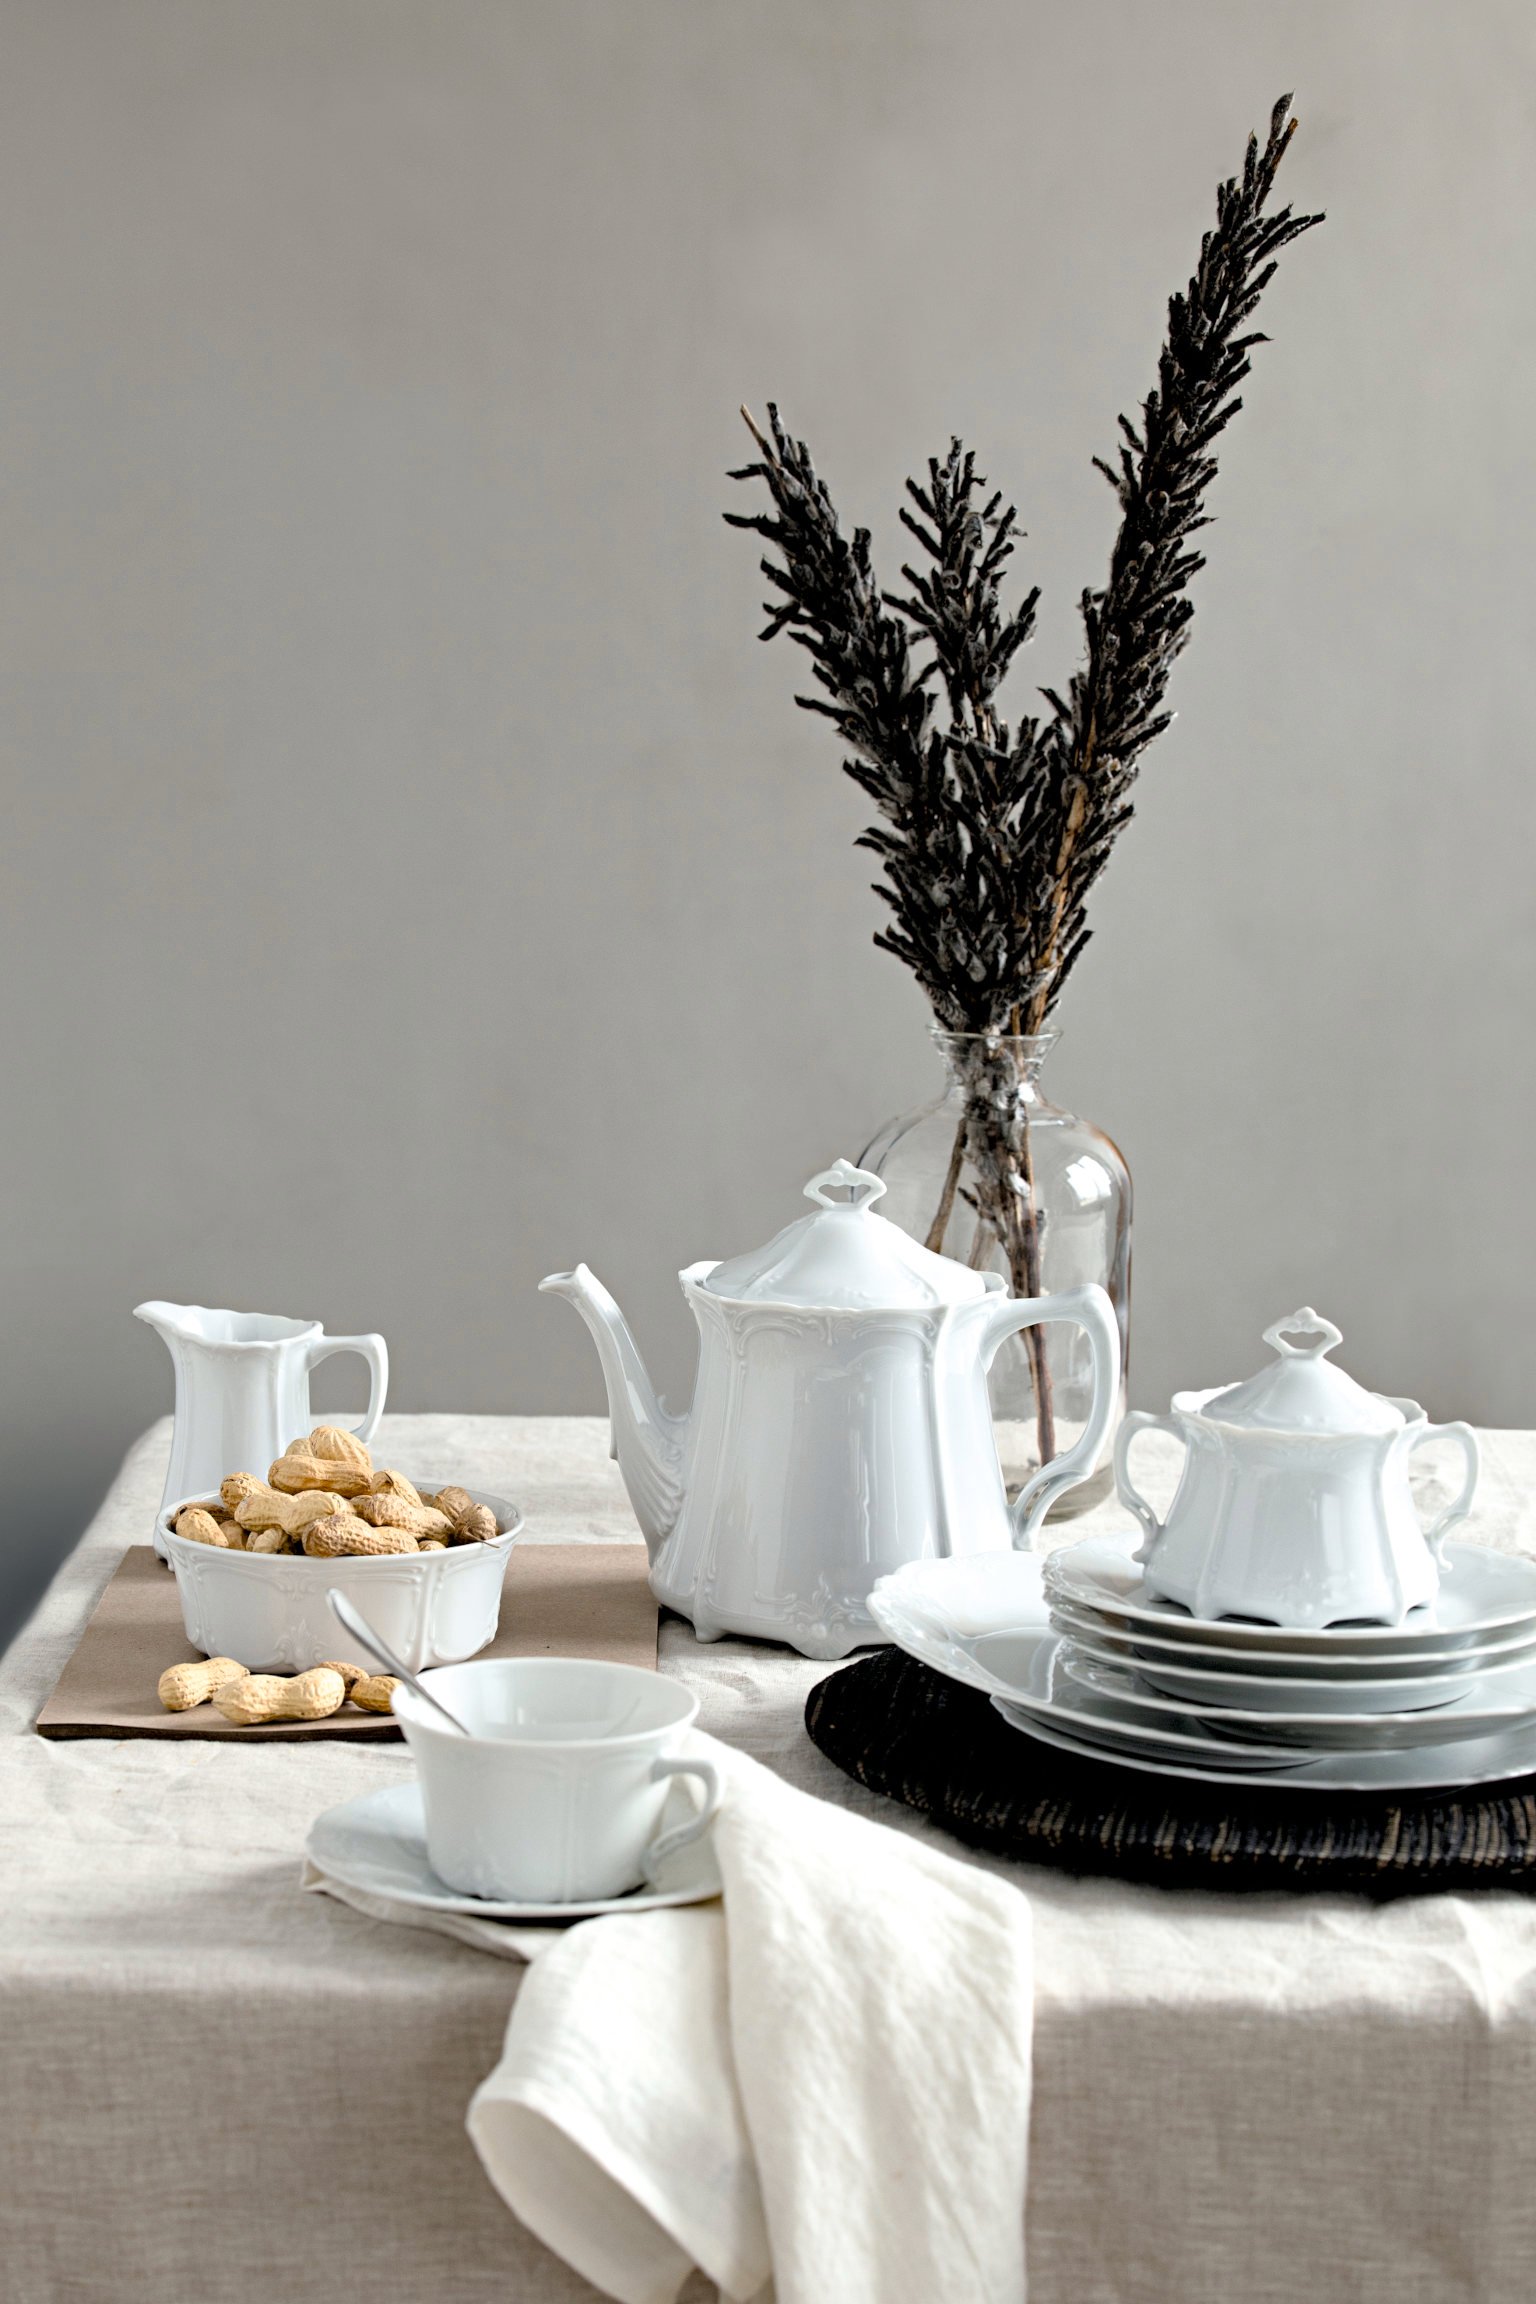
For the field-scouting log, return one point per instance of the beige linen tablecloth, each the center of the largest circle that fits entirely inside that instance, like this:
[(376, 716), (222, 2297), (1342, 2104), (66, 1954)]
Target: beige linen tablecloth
[(213, 2086)]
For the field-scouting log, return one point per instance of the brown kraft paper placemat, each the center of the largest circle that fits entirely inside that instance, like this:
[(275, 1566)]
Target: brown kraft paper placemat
[(556, 1600)]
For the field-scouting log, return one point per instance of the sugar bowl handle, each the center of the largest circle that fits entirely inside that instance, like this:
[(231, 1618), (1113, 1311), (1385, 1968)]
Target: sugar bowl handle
[(1138, 1420), (1466, 1440)]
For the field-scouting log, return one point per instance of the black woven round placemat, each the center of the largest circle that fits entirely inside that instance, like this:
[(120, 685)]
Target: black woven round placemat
[(904, 1730)]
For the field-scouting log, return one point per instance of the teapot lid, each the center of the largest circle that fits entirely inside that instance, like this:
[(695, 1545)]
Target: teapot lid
[(1301, 1391), (844, 1256)]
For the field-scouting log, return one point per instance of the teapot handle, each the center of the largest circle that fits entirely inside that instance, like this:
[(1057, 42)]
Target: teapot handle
[(1091, 1310), (1466, 1439), (1141, 1420)]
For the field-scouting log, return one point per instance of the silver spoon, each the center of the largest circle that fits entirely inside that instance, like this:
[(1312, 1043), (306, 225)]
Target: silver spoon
[(366, 1637)]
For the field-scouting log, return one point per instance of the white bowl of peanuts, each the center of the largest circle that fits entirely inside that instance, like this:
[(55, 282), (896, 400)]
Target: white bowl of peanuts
[(253, 1564)]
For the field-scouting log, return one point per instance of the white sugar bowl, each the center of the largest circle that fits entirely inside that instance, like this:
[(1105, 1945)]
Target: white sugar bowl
[(1294, 1507)]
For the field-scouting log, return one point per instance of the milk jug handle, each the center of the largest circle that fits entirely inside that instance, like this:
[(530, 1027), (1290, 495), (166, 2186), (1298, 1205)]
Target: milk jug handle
[(1466, 1440), (1091, 1310), (375, 1351)]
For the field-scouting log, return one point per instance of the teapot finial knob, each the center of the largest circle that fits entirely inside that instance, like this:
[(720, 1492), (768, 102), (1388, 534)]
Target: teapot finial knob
[(844, 1186), (1321, 1334)]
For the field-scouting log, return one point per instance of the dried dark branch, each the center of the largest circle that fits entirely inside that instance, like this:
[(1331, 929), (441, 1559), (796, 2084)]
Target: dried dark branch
[(957, 602), (1139, 623), (991, 838)]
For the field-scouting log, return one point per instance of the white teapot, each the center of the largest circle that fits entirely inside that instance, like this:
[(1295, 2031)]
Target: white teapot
[(1294, 1507), (840, 1425)]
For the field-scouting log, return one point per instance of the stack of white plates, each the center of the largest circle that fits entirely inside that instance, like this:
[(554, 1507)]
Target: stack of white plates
[(1097, 1666)]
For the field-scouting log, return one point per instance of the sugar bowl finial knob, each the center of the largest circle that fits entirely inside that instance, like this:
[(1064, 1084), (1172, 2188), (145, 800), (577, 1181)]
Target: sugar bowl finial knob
[(1323, 1334)]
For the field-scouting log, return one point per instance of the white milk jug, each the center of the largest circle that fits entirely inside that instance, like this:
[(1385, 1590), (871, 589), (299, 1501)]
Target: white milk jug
[(242, 1388)]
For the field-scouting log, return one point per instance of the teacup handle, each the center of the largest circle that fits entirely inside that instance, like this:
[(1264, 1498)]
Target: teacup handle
[(681, 1835), (1466, 1439), (1136, 1421), (375, 1351)]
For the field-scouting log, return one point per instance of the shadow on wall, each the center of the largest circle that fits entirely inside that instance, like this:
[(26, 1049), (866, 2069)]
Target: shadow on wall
[(53, 1485)]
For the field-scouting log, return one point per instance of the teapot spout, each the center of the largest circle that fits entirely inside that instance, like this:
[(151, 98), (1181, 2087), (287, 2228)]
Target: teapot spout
[(645, 1440)]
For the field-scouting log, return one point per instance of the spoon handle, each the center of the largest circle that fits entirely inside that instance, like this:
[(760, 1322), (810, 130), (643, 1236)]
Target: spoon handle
[(363, 1633)]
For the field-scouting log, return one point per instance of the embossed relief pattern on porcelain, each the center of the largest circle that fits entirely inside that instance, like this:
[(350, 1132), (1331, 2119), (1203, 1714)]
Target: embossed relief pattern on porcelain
[(840, 1425), (269, 1611), (754, 1549)]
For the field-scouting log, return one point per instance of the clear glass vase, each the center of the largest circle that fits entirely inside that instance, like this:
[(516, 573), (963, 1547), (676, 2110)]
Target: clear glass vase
[(997, 1176)]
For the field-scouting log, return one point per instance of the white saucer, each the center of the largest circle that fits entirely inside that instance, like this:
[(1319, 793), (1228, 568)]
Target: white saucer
[(1492, 1760), (377, 1844), (1481, 1592)]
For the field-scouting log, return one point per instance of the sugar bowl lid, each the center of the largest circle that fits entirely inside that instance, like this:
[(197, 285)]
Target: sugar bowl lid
[(1301, 1390), (844, 1257)]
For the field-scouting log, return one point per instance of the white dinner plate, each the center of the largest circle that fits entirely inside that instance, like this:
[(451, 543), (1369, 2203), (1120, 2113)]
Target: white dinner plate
[(1268, 1692), (1037, 1684), (1087, 1624), (1470, 1715), (377, 1843), (1103, 1740), (1481, 1593), (1494, 1760), (934, 1609)]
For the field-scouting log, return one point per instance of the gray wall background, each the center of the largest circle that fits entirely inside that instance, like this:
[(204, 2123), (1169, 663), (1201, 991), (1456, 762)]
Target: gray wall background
[(416, 876)]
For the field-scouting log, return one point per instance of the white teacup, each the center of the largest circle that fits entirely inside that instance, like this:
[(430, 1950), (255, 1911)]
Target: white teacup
[(556, 1794)]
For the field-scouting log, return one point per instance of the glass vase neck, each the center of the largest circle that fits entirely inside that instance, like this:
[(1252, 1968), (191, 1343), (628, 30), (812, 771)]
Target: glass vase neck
[(967, 1053)]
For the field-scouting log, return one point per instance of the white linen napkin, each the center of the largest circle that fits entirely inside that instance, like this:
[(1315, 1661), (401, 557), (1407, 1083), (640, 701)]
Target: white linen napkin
[(822, 2084)]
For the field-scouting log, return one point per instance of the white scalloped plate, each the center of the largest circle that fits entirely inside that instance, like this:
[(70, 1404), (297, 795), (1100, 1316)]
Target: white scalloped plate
[(1481, 1593), (934, 1609), (1037, 1685), (1272, 1692), (1138, 1646), (1449, 1767), (1473, 1713)]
